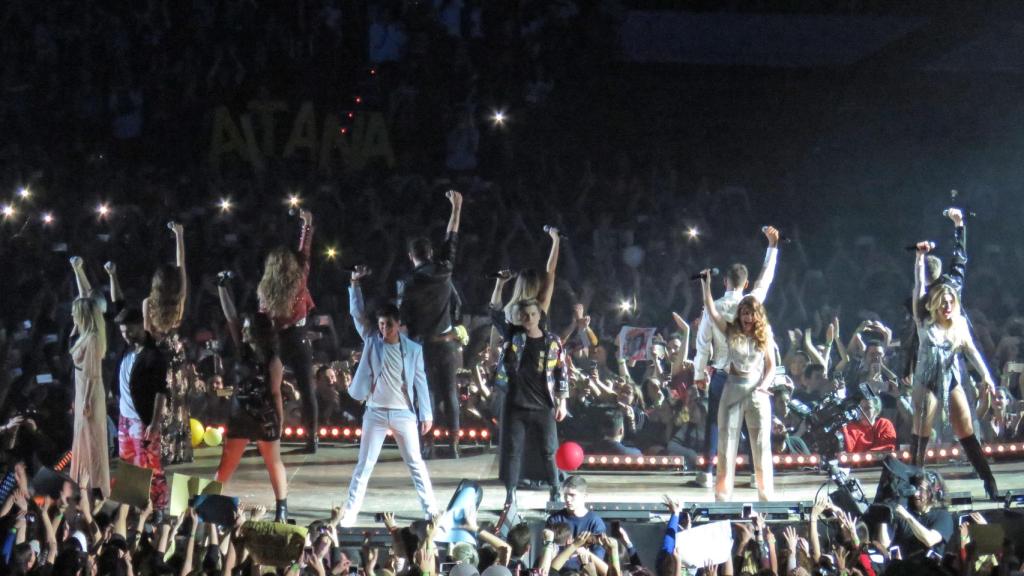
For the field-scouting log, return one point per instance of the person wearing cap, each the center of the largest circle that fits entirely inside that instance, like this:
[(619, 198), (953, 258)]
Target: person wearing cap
[(142, 391)]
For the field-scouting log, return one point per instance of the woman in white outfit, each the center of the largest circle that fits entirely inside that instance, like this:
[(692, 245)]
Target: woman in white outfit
[(751, 371)]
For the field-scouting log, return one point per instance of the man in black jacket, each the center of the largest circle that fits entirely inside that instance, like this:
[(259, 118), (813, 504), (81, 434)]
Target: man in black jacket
[(426, 301), (142, 386)]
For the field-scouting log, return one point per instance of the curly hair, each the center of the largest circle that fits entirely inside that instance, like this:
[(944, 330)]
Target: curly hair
[(281, 282), (762, 330), (935, 300), (165, 299)]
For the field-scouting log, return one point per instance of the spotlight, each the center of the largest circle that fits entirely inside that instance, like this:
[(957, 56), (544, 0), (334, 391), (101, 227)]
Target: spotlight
[(25, 193), (499, 118), (8, 211), (103, 210), (332, 253), (294, 200), (47, 218), (625, 306), (692, 232), (225, 205)]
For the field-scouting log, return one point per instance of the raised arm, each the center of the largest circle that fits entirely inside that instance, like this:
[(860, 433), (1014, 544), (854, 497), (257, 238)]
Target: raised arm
[(455, 218), (709, 303), (548, 288), (179, 250), (355, 302), (767, 274), (497, 314), (84, 287), (684, 335), (227, 304), (116, 294), (306, 234), (957, 269), (919, 281)]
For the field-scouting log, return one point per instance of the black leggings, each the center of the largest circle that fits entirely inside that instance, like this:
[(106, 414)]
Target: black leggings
[(295, 354), (441, 361)]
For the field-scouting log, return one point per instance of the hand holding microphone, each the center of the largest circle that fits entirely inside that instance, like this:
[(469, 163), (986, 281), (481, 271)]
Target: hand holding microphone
[(553, 232), (705, 274), (175, 227), (921, 247), (774, 236)]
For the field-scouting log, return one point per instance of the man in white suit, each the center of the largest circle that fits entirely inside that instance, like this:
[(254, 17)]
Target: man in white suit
[(391, 381)]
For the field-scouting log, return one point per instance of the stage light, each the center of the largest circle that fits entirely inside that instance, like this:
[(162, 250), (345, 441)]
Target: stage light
[(799, 459), (225, 205), (789, 459), (591, 460), (346, 432), (47, 218), (701, 461), (294, 200), (288, 431), (221, 429), (1001, 448), (358, 99), (8, 211), (323, 431), (437, 433), (692, 233), (640, 460), (677, 461), (739, 461), (472, 433), (1013, 447), (776, 459), (844, 458), (625, 306), (615, 459), (103, 210), (484, 433), (389, 433), (358, 431), (334, 431), (604, 459), (25, 193), (462, 433), (498, 118), (300, 431), (628, 460), (942, 453), (351, 115), (332, 253), (988, 449), (814, 459), (906, 455), (868, 458)]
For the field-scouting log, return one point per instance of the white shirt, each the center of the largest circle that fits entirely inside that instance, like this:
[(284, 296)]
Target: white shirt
[(124, 379), (389, 390), (712, 346)]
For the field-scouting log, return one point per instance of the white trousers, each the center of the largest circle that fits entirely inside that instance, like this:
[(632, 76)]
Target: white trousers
[(756, 409), (403, 424)]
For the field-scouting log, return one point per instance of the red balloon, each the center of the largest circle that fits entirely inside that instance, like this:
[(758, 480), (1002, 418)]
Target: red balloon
[(569, 456)]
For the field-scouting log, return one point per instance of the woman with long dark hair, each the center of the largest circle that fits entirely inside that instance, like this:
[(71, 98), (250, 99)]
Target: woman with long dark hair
[(746, 396), (943, 333), (162, 312), (257, 409), (284, 297)]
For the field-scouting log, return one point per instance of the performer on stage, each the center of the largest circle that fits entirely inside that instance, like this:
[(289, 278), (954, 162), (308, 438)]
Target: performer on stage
[(284, 297), (750, 365), (257, 409), (712, 347), (427, 300), (391, 380), (531, 371), (942, 332), (162, 313), (90, 465)]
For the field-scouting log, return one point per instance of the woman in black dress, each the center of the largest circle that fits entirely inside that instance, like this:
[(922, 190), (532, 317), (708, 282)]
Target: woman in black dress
[(257, 409)]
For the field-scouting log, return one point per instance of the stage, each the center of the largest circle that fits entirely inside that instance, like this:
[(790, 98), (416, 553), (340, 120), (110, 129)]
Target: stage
[(318, 482)]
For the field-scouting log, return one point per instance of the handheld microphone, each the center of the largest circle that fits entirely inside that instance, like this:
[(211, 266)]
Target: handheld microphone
[(712, 272), (966, 213), (913, 247), (224, 277), (547, 230), (782, 237), (500, 273), (170, 225)]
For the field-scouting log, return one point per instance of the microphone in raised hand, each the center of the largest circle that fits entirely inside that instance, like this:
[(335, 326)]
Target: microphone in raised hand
[(500, 274), (710, 272), (548, 229), (926, 244)]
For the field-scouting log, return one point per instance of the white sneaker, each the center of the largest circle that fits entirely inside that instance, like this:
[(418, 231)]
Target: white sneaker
[(702, 480)]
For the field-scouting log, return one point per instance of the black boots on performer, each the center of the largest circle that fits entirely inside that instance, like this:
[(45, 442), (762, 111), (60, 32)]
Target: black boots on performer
[(974, 453), (281, 515), (972, 448)]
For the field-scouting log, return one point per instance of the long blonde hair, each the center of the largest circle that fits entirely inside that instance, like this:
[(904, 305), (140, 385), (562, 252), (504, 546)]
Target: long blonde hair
[(88, 318), (164, 301), (934, 304), (281, 282), (527, 286), (762, 331)]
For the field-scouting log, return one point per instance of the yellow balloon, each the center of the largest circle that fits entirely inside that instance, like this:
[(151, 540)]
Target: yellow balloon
[(197, 431), (212, 437)]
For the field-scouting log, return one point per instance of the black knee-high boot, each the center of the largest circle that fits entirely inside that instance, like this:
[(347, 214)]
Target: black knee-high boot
[(918, 449), (281, 514), (972, 448)]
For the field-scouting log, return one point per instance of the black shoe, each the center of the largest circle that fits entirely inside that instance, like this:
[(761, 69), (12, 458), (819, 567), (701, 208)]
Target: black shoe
[(312, 445), (281, 514), (456, 453)]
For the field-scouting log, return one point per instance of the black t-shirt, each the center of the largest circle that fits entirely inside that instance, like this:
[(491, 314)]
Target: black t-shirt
[(530, 387), (938, 519)]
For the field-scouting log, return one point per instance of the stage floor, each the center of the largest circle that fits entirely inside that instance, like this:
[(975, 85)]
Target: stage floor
[(318, 482)]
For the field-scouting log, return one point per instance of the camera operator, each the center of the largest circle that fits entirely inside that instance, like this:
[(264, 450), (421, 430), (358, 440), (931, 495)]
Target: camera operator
[(926, 526)]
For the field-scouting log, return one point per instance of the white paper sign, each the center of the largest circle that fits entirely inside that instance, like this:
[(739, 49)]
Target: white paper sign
[(708, 543)]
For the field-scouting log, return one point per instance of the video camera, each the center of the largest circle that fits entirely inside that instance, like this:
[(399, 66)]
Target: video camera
[(825, 420)]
